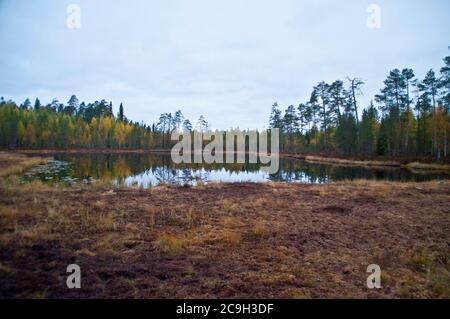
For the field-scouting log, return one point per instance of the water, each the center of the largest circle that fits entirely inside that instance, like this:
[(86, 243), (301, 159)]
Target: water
[(146, 170)]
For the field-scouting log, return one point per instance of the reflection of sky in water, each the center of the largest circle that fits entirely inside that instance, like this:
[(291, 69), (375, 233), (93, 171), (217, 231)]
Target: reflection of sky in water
[(149, 178)]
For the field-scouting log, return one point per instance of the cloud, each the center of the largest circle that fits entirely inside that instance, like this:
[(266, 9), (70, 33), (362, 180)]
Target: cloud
[(229, 60)]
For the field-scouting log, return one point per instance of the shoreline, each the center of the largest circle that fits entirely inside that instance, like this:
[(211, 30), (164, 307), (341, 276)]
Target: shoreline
[(379, 164), (413, 164)]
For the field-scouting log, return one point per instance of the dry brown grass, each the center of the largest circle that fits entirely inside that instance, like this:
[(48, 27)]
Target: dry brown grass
[(231, 222), (92, 221), (168, 243), (416, 166), (33, 187), (346, 162), (230, 237), (260, 229), (432, 167), (13, 163), (231, 240), (230, 205)]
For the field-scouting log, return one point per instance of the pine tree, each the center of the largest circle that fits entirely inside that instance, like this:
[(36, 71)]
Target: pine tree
[(444, 84), (408, 117), (26, 104), (429, 87), (53, 106), (337, 99), (275, 120), (37, 104), (392, 99), (187, 126), (322, 92), (120, 115), (290, 120), (369, 130), (355, 92), (290, 125), (202, 125), (303, 116), (72, 105), (178, 120), (424, 140)]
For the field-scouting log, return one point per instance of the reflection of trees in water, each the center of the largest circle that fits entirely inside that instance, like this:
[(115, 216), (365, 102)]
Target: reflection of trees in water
[(120, 166), (108, 166), (170, 175), (186, 176), (165, 174), (295, 170)]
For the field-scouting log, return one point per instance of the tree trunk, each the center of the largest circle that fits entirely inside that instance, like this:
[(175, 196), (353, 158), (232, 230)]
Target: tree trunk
[(445, 142), (355, 107), (324, 122), (435, 144)]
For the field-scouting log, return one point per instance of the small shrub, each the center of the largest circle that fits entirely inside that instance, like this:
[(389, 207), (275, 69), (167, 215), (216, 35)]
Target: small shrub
[(260, 230), (419, 262), (106, 222), (230, 205), (168, 243), (300, 294), (102, 222), (231, 237)]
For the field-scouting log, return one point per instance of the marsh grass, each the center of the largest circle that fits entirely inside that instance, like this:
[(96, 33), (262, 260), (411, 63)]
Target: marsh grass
[(229, 236), (417, 166), (230, 205), (12, 163), (260, 230), (276, 234), (168, 243), (92, 221), (423, 166), (346, 162)]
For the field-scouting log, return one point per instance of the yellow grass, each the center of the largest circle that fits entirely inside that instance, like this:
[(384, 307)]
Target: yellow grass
[(168, 243), (11, 163), (422, 166), (260, 230), (278, 239), (340, 161)]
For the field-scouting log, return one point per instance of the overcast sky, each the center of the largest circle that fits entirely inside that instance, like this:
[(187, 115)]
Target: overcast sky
[(229, 59)]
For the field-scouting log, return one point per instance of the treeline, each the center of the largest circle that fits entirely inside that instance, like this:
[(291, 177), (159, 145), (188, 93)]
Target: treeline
[(409, 117), (81, 125)]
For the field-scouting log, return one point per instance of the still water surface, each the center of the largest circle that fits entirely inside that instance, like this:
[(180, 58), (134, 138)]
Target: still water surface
[(146, 170)]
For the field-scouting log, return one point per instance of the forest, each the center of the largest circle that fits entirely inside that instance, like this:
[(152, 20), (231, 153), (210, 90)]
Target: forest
[(81, 125), (409, 117)]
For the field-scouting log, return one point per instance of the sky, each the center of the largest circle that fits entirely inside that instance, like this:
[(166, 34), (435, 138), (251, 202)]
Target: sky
[(228, 60)]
